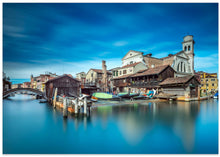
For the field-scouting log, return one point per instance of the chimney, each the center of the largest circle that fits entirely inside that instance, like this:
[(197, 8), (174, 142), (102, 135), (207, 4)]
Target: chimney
[(170, 55), (149, 55)]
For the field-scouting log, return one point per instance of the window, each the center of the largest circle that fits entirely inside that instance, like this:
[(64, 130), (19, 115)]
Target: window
[(207, 85), (213, 84), (130, 70), (113, 73), (116, 73), (130, 54), (202, 84), (124, 71), (185, 48), (212, 79), (91, 74), (120, 72), (131, 62), (189, 48)]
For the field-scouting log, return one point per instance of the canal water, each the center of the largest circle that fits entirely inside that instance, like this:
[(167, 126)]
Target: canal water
[(30, 127)]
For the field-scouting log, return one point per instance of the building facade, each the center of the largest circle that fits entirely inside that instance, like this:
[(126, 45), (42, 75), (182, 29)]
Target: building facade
[(82, 77), (128, 69), (65, 84), (209, 82), (26, 84), (143, 80), (132, 57), (182, 62), (183, 87), (38, 82)]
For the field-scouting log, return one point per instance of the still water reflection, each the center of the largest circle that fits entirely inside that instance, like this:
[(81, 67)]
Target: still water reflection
[(147, 127)]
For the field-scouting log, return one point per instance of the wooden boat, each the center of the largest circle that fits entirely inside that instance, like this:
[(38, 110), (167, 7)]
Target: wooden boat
[(123, 95), (43, 101), (216, 96), (141, 96), (104, 96)]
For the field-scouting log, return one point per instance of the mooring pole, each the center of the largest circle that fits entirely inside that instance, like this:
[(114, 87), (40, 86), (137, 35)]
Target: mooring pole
[(65, 107), (85, 106), (76, 106), (55, 98)]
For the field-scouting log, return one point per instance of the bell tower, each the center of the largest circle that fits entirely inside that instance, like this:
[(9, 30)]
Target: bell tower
[(188, 48)]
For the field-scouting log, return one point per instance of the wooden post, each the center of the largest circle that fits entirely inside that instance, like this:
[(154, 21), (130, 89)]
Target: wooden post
[(85, 106), (55, 98), (65, 107), (198, 92), (76, 106)]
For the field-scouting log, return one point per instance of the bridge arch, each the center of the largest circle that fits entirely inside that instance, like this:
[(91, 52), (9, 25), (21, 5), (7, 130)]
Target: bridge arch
[(36, 91)]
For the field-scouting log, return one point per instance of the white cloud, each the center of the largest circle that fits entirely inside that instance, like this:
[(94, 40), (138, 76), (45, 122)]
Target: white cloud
[(120, 43), (24, 70), (210, 61)]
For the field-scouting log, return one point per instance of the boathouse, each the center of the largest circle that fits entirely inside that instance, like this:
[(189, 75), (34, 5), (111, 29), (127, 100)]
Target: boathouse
[(65, 84), (144, 80), (183, 87)]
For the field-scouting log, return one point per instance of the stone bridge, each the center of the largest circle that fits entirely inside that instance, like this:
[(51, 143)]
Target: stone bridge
[(36, 91)]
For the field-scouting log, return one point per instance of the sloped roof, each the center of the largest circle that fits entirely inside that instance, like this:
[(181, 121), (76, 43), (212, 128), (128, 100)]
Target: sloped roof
[(173, 55), (177, 80), (123, 76), (152, 71), (133, 51), (100, 71), (81, 73), (130, 65), (65, 75)]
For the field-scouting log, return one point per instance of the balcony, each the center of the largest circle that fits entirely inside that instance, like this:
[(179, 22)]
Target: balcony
[(140, 84), (121, 84)]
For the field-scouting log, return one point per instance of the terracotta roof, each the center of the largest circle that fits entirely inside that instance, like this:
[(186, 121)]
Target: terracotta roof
[(123, 76), (68, 75), (172, 55), (100, 71), (81, 73), (152, 71), (131, 65), (177, 80)]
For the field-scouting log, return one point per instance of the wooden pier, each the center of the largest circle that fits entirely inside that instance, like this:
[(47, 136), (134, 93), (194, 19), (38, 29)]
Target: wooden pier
[(73, 106)]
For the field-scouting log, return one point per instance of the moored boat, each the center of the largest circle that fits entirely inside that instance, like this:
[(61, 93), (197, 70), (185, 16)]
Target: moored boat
[(104, 96), (123, 95), (216, 96)]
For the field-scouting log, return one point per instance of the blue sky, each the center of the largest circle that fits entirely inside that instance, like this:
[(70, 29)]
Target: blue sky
[(70, 38)]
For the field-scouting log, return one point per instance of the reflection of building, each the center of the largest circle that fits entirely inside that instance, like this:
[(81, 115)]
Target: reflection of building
[(209, 81)]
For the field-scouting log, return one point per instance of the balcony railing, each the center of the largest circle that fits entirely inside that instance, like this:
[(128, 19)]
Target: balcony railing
[(89, 84), (121, 84)]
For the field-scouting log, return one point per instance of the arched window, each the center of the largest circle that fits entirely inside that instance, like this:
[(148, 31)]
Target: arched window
[(181, 66), (185, 48), (189, 48), (178, 67)]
